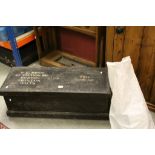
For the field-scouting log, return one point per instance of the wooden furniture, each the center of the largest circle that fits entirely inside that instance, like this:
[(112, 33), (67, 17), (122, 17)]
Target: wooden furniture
[(52, 45), (138, 42), (52, 59)]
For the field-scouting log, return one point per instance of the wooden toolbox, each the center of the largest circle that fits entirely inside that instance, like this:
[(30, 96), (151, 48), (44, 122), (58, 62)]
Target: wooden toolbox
[(66, 92)]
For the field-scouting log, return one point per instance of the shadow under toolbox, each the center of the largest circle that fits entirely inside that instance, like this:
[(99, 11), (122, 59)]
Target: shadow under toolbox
[(69, 92)]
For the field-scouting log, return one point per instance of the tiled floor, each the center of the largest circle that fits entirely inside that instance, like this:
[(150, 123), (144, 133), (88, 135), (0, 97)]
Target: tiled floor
[(25, 123)]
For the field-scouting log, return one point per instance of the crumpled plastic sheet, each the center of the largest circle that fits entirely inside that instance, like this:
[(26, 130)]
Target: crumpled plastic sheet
[(128, 107)]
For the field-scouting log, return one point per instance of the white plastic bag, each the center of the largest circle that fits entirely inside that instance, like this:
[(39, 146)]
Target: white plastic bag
[(128, 107)]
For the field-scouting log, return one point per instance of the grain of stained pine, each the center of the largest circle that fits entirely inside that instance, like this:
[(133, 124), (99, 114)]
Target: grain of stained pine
[(132, 43), (110, 31), (146, 69), (118, 45)]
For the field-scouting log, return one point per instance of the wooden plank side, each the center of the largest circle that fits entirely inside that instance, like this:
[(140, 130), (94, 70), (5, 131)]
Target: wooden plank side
[(132, 43), (152, 99), (110, 31), (98, 45), (38, 44), (146, 68), (102, 47), (118, 45), (88, 30), (51, 38), (45, 38)]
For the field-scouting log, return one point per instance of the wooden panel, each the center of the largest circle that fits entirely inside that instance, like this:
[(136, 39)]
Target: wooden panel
[(52, 43), (152, 100), (45, 38), (146, 69), (88, 30), (77, 44), (118, 45), (110, 31), (102, 47), (39, 49), (138, 43), (98, 42), (132, 43)]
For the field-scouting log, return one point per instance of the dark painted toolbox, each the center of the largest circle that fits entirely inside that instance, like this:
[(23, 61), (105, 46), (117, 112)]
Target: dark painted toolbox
[(69, 92)]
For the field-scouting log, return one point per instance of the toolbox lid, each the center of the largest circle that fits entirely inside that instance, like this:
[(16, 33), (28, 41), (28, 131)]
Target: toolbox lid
[(53, 79)]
